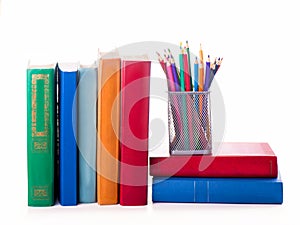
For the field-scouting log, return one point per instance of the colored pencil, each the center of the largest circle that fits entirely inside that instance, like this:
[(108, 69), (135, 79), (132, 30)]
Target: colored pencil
[(182, 83), (183, 99), (219, 64), (175, 75), (186, 72), (212, 72), (201, 84), (201, 53), (189, 64), (161, 62), (207, 74), (170, 76), (170, 53), (201, 70), (196, 71), (215, 68), (173, 60)]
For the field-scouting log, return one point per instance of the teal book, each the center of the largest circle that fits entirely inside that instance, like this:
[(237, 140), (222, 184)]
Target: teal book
[(86, 135), (41, 134)]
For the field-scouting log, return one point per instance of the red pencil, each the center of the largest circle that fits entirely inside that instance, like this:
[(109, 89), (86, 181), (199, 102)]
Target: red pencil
[(162, 63), (187, 80)]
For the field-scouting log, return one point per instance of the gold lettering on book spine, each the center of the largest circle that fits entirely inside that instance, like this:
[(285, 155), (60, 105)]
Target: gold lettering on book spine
[(40, 193), (42, 146)]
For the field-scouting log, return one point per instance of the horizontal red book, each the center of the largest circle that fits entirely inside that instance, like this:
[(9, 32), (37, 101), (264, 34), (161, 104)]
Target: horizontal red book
[(135, 88), (231, 159)]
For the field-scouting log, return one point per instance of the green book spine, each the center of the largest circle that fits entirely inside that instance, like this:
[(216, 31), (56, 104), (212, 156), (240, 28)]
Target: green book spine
[(41, 135)]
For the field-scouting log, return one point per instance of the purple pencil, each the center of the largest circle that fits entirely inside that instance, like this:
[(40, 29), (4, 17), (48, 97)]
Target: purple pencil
[(175, 75), (171, 81)]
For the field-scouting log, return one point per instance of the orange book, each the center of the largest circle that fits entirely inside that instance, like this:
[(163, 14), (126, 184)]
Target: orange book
[(108, 117)]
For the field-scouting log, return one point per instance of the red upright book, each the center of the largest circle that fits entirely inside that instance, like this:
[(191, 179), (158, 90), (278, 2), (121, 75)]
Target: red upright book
[(135, 88), (229, 160)]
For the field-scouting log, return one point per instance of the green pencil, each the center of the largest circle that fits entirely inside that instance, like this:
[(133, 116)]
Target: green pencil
[(185, 134), (181, 68), (189, 64)]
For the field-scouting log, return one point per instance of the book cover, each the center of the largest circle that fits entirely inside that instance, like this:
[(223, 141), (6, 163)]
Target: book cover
[(41, 134), (135, 82), (218, 190), (86, 139), (108, 131), (67, 80), (231, 159)]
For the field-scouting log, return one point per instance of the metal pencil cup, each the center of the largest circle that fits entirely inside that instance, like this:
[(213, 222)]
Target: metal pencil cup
[(189, 123)]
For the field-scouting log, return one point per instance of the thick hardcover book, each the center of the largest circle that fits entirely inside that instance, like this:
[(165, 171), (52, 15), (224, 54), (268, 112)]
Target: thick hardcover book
[(41, 134), (86, 139), (108, 131), (229, 160), (67, 79), (135, 82), (218, 190)]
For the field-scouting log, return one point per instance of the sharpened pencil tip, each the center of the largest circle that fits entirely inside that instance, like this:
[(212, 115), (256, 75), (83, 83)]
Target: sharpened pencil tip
[(208, 59)]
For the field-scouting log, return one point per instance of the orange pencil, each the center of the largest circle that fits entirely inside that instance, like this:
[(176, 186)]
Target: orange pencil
[(201, 70), (201, 81)]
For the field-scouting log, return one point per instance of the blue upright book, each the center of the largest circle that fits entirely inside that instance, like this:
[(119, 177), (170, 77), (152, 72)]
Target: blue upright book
[(87, 98), (218, 190), (67, 134)]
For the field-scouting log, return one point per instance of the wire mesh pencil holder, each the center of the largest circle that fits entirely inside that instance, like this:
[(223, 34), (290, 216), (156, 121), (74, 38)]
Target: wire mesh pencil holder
[(189, 119)]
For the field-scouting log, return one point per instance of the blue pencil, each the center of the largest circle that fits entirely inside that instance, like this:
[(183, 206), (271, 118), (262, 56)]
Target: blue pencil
[(207, 74), (206, 87), (196, 69)]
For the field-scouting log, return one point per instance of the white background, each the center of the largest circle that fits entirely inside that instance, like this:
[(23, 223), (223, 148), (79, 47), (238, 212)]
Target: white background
[(259, 80)]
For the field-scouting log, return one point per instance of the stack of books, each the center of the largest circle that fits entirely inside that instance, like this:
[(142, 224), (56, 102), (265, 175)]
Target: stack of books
[(87, 132), (233, 173)]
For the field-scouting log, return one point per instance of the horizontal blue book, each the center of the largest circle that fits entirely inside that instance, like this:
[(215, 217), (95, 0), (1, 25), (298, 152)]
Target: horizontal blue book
[(67, 134), (218, 190)]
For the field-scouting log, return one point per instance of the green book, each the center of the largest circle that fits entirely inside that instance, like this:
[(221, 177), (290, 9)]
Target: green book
[(41, 134)]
